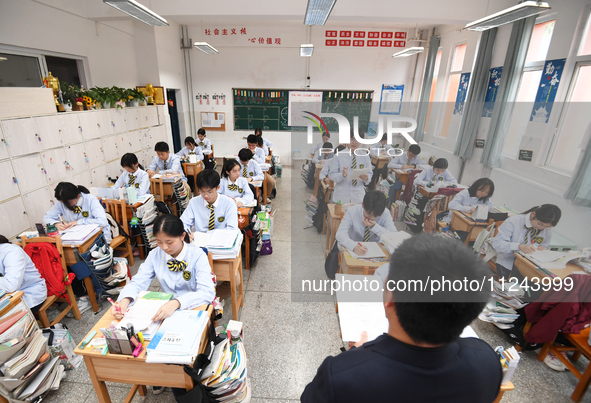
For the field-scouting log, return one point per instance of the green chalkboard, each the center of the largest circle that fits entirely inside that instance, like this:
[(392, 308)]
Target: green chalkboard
[(268, 108)]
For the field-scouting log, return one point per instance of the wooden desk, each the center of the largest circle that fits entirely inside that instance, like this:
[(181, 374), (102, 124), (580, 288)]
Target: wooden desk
[(126, 369), (425, 192), (317, 178), (163, 192), (380, 162), (193, 169), (461, 221), (504, 388), (328, 189), (231, 270), (245, 212), (332, 225), (350, 265), (401, 176), (528, 269)]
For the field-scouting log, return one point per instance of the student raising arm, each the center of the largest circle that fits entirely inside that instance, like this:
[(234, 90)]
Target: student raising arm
[(233, 185), (134, 175)]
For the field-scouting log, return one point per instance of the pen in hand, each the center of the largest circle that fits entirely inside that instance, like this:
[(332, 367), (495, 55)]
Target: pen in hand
[(115, 305)]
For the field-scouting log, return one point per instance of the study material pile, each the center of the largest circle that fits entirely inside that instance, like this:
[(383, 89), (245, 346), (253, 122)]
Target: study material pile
[(311, 209), (140, 314), (147, 214), (181, 194), (78, 233), (509, 360), (178, 339), (222, 243), (546, 260), (119, 277), (397, 210), (480, 214), (62, 346), (168, 177), (501, 310), (503, 209), (392, 240), (226, 374)]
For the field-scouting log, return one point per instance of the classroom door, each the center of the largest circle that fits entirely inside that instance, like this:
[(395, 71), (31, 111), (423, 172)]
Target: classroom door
[(174, 119)]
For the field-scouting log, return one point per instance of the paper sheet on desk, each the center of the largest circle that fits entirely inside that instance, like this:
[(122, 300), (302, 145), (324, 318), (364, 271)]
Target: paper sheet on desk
[(373, 251), (357, 173), (78, 232)]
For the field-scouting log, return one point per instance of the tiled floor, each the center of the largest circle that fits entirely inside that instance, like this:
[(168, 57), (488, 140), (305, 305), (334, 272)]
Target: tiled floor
[(287, 339)]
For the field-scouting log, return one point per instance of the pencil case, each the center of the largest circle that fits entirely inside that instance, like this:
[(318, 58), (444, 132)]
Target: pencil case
[(117, 346)]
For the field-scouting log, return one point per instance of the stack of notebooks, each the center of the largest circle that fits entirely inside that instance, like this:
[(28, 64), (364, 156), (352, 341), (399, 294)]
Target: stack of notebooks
[(311, 209), (509, 360), (147, 214), (222, 243), (226, 374), (178, 339), (180, 192), (143, 310), (546, 260), (392, 240), (78, 233), (501, 310)]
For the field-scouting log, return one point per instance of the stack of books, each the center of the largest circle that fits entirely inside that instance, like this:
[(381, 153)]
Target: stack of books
[(182, 198), (501, 310), (311, 209), (222, 243), (226, 374)]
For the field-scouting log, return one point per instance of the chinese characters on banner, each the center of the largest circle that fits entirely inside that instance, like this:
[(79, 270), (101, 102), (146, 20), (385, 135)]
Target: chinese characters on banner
[(551, 76), (375, 38), (242, 32)]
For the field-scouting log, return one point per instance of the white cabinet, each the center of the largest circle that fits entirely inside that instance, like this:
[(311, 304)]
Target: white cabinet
[(133, 118), (161, 114), (90, 124), (3, 145), (22, 136), (124, 144), (54, 163), (15, 219), (148, 117), (71, 130), (135, 139), (111, 147), (38, 204), (77, 158), (83, 178), (29, 172), (119, 120), (146, 157), (8, 185), (50, 131), (99, 176), (114, 169), (106, 125), (94, 151)]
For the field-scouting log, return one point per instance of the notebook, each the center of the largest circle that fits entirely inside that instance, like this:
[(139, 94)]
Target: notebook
[(373, 251)]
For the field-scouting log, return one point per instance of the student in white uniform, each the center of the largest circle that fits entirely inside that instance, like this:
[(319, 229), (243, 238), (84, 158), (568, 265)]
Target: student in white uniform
[(165, 162), (204, 145), (318, 146), (18, 273), (76, 206), (326, 167), (249, 168), (210, 210), (133, 176), (190, 148), (381, 149), (257, 153), (365, 223), (350, 190), (525, 232), (259, 132), (468, 199), (408, 160), (262, 146), (325, 155), (234, 185), (433, 174)]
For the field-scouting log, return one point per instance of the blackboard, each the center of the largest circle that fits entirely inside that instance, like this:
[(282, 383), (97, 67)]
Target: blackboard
[(268, 108), (526, 155)]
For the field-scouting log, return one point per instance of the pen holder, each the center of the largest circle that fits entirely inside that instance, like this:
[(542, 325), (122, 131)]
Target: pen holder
[(117, 346)]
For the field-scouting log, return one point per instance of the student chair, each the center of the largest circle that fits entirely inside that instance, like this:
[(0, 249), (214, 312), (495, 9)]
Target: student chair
[(193, 170), (41, 314), (121, 243)]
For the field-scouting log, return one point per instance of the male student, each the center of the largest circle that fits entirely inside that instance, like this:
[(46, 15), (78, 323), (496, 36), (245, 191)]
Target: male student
[(347, 190), (165, 162), (318, 146), (258, 154), (205, 147), (421, 358), (365, 223), (261, 144), (210, 210), (408, 160), (250, 169), (259, 132)]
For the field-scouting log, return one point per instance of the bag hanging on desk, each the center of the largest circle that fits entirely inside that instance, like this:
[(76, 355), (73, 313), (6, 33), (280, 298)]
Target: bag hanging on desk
[(331, 265)]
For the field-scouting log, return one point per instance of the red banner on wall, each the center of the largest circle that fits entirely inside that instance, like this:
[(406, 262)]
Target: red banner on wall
[(331, 34), (345, 34), (358, 43), (345, 42), (331, 42)]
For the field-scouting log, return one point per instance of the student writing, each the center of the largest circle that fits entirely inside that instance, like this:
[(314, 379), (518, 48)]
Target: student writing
[(257, 153), (407, 160), (165, 162), (259, 132), (249, 168), (234, 185), (436, 173), (468, 199), (323, 156), (190, 148), (133, 176), (204, 145)]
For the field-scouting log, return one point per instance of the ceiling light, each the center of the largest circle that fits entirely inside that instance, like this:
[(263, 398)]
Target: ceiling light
[(136, 10), (206, 47), (409, 51), (3, 59), (306, 50), (318, 11), (518, 12)]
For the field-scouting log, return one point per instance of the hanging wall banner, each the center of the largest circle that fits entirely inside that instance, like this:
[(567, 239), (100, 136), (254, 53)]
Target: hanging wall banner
[(494, 80), (551, 77), (391, 100), (461, 96)]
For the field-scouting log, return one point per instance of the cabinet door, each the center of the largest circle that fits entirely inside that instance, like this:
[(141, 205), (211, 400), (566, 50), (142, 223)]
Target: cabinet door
[(29, 172), (106, 125), (94, 150), (90, 124), (38, 204), (54, 163), (22, 136), (8, 185), (161, 114), (99, 176), (3, 144), (135, 139), (15, 218), (111, 148), (83, 178), (77, 158), (119, 120), (71, 129), (114, 169), (146, 157), (50, 132), (148, 117)]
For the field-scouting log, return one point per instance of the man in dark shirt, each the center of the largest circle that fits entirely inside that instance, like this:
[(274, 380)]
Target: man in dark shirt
[(421, 358)]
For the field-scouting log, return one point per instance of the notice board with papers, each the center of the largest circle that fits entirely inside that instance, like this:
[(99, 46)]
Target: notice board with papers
[(213, 121)]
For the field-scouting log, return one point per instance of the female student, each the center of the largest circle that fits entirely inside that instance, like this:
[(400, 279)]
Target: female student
[(525, 232), (18, 273), (234, 185), (318, 156), (468, 199), (190, 148), (134, 175), (437, 173), (76, 206), (206, 149), (259, 132)]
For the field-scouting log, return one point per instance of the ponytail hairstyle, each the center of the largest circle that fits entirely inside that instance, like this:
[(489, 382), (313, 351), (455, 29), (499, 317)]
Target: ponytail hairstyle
[(66, 191), (228, 166), (3, 239), (191, 140), (201, 131), (481, 184), (546, 213), (170, 224), (129, 160), (441, 163)]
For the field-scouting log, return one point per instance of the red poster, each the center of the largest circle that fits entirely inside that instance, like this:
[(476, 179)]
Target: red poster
[(331, 42), (372, 43), (373, 34), (330, 34), (386, 44), (400, 35), (345, 34), (359, 34), (399, 44), (358, 43), (345, 42), (387, 35)]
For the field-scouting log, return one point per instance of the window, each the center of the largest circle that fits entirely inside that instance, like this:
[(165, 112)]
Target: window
[(19, 71), (585, 47), (65, 69), (453, 83), (433, 86), (528, 87)]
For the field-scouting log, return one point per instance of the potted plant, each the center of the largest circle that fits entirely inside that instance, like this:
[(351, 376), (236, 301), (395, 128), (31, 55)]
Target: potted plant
[(139, 96), (69, 93)]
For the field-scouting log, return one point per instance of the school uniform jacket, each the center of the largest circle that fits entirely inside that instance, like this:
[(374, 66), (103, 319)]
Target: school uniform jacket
[(380, 150), (243, 192), (267, 143), (464, 202), (173, 164), (20, 274), (197, 214), (253, 170), (190, 290), (344, 189), (351, 230), (265, 149), (325, 169), (515, 231), (258, 155), (185, 152), (427, 175), (141, 181), (399, 161), (91, 213), (320, 157), (204, 146)]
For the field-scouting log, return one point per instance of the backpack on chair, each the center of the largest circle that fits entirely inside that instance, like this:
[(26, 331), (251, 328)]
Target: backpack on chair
[(48, 261), (116, 228)]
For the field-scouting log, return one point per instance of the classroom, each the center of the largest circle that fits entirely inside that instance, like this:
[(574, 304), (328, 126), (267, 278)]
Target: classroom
[(291, 191)]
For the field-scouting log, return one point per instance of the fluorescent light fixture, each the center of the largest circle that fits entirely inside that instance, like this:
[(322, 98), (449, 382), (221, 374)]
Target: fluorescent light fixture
[(3, 59), (518, 12), (409, 51), (306, 50), (206, 47), (318, 11), (136, 10)]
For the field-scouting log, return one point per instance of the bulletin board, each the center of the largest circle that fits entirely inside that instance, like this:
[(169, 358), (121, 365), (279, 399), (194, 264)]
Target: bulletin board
[(214, 121)]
